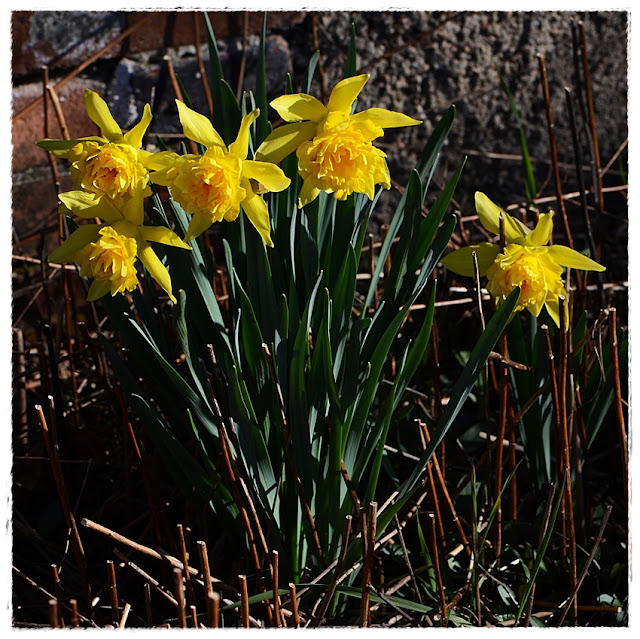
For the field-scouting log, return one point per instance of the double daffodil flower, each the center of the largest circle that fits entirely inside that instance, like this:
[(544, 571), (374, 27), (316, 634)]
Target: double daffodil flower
[(213, 186), (107, 252), (111, 165), (526, 260), (334, 147)]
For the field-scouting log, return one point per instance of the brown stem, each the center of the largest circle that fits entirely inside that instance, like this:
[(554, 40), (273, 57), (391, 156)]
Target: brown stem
[(613, 330), (436, 567)]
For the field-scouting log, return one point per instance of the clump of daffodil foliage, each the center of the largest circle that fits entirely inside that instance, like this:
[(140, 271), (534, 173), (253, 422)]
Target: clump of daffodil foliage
[(272, 408)]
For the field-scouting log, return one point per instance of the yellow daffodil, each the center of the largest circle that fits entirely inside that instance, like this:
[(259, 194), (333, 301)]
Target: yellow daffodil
[(213, 186), (526, 260), (107, 252), (334, 147), (111, 165)]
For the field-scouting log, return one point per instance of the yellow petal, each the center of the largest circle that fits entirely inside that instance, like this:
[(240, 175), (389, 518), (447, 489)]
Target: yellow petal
[(157, 161), (308, 193), (489, 214), (82, 236), (285, 140), (541, 235), (89, 205), (240, 147), (197, 127), (552, 305), (461, 261), (269, 175), (134, 137), (155, 267), (345, 92), (299, 106), (162, 235), (566, 256), (133, 209), (256, 211), (197, 226), (385, 119), (99, 113)]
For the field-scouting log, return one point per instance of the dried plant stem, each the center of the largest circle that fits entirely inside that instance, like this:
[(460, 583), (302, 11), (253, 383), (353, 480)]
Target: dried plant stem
[(213, 609), (324, 606), (113, 591), (244, 601), (205, 571), (414, 581), (615, 363), (447, 496), (178, 588), (365, 611), (554, 149), (234, 479), (543, 532), (76, 542), (586, 566), (125, 615), (185, 562), (201, 68), (276, 596), (294, 605), (53, 613), (432, 485), (75, 619), (436, 566), (592, 114), (502, 425), (566, 449)]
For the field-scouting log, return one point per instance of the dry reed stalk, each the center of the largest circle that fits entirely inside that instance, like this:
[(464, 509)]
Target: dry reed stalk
[(75, 620), (566, 449), (615, 364), (244, 601), (178, 589), (201, 68), (591, 115), (125, 615), (502, 425), (405, 553), (113, 591), (436, 567), (367, 565), (184, 555), (543, 532), (76, 542), (294, 605), (554, 149), (276, 596), (447, 496), (346, 531), (53, 613), (586, 566)]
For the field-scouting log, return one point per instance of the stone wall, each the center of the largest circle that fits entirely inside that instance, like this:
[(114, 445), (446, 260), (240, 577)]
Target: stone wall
[(420, 63)]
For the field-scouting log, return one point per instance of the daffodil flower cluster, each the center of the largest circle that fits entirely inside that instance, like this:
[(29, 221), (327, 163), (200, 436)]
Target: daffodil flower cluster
[(333, 146), (112, 174), (526, 260)]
